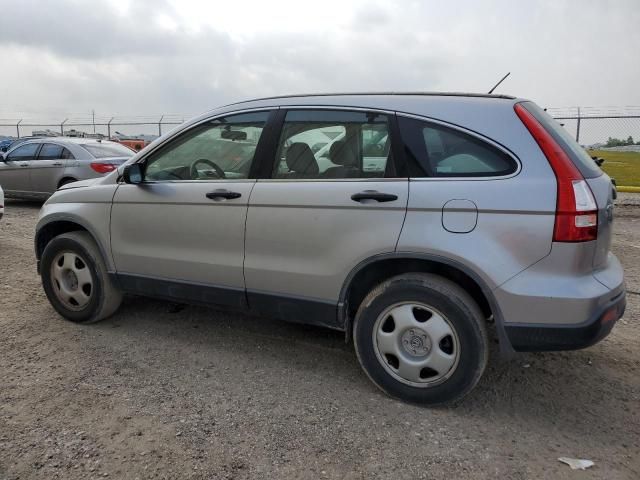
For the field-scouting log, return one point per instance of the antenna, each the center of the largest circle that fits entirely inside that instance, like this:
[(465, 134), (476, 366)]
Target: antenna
[(496, 85)]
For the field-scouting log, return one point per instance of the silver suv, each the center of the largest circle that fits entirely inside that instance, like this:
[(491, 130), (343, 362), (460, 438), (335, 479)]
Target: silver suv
[(414, 223), (34, 169)]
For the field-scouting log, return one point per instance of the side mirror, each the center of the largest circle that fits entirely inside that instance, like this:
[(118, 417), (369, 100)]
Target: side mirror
[(132, 174)]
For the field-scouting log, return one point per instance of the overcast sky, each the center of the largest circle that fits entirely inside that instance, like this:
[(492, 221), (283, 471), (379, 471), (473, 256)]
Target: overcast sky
[(128, 57)]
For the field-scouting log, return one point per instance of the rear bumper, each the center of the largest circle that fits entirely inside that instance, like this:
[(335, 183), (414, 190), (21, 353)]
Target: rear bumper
[(561, 303), (549, 337)]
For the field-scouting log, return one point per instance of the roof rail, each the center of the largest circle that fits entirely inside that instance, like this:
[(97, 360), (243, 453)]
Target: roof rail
[(342, 94)]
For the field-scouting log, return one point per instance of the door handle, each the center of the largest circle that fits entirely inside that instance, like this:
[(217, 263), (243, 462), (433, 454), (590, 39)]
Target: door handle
[(373, 195), (57, 164), (223, 194), (24, 164)]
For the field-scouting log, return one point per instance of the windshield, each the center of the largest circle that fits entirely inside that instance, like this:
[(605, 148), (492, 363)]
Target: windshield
[(106, 150)]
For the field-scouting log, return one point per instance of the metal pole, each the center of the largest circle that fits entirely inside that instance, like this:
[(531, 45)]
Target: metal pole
[(109, 129), (160, 126), (93, 120), (62, 126), (578, 128), (18, 127)]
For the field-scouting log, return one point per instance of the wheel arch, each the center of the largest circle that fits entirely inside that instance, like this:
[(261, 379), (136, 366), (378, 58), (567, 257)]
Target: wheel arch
[(374, 270), (66, 179), (57, 225)]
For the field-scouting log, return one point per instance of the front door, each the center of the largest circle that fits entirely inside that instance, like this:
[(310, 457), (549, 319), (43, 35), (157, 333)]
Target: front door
[(335, 197), (14, 171), (180, 234)]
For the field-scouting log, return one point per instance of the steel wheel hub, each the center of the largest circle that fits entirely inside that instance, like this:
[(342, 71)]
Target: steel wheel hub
[(71, 280), (416, 344)]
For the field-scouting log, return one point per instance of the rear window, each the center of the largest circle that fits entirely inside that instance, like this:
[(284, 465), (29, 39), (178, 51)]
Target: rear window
[(576, 153), (106, 150), (437, 151)]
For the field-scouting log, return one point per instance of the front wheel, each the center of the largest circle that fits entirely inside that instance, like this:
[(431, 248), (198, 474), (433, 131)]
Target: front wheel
[(422, 339), (75, 279)]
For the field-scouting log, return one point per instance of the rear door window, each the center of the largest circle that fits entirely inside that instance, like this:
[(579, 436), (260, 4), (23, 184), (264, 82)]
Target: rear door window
[(49, 151), (327, 144), (434, 150)]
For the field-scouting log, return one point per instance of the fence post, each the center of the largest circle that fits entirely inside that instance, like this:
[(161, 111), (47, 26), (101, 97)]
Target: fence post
[(109, 128), (160, 126), (18, 127), (62, 126), (578, 128)]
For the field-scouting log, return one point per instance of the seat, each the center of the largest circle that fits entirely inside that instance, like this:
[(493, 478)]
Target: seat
[(342, 154), (301, 162)]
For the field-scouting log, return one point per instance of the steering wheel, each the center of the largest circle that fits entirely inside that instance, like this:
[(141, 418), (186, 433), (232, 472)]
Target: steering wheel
[(195, 174)]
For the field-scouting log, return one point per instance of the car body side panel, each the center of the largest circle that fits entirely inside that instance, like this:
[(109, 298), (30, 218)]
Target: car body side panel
[(172, 231), (304, 237), (509, 236)]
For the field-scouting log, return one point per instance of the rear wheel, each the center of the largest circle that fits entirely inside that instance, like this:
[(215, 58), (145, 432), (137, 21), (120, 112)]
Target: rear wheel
[(75, 279), (421, 338)]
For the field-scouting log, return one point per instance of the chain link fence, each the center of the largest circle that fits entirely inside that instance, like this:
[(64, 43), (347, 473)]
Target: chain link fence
[(592, 127), (107, 127), (601, 127)]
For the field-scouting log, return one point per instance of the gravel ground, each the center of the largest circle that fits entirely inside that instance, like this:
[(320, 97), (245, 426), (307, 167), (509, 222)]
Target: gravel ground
[(198, 393)]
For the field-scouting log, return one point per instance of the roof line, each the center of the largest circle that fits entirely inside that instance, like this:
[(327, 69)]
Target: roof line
[(342, 94)]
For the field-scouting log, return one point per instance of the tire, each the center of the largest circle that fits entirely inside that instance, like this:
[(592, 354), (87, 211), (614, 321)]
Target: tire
[(435, 331), (94, 297)]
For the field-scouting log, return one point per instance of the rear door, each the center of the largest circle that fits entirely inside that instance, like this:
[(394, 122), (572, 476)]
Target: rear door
[(47, 169), (318, 215), (180, 233), (14, 171)]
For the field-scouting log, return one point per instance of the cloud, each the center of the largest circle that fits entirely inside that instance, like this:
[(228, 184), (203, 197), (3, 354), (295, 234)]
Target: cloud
[(152, 57)]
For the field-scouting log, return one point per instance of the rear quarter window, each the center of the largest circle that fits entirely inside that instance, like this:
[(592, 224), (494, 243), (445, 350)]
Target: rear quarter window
[(433, 150)]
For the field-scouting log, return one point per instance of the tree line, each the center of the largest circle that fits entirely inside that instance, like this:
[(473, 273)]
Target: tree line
[(616, 142)]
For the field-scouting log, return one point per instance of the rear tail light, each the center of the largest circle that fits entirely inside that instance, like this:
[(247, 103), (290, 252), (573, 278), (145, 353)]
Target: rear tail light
[(576, 208), (102, 167)]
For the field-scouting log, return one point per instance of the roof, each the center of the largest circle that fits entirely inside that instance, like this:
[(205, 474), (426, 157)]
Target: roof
[(61, 139), (345, 94)]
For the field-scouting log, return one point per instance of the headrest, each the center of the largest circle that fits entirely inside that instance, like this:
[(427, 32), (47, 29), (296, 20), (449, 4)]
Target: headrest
[(341, 153), (300, 159)]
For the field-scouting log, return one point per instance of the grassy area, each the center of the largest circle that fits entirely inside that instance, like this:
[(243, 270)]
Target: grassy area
[(623, 166)]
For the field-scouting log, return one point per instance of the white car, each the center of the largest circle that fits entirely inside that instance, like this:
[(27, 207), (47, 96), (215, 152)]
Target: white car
[(1, 203)]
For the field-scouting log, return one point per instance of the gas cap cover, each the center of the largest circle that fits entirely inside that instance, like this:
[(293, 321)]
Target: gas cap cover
[(459, 216)]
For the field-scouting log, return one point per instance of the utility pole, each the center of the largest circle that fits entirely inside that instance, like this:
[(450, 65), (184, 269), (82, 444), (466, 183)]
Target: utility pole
[(18, 127), (578, 128), (93, 117), (62, 126), (160, 126)]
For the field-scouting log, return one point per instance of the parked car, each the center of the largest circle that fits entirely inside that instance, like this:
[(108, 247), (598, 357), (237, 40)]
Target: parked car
[(15, 142), (36, 168), (436, 219), (5, 144)]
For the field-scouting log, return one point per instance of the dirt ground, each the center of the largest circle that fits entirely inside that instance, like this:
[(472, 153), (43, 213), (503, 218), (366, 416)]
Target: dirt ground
[(198, 393)]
